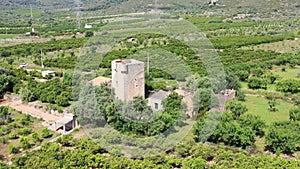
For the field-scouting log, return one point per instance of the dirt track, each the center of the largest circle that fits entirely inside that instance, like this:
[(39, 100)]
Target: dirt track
[(25, 109)]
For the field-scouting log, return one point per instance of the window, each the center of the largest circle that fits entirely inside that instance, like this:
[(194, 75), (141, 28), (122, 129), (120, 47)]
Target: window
[(156, 106)]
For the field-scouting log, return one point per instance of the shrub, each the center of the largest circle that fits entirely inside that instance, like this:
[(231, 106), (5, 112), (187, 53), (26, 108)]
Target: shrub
[(13, 136), (35, 137), (25, 131), (295, 114), (24, 142), (89, 34), (290, 85), (3, 140), (46, 133), (12, 149), (257, 83), (25, 120)]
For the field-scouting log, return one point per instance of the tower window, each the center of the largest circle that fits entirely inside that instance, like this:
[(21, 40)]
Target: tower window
[(156, 106)]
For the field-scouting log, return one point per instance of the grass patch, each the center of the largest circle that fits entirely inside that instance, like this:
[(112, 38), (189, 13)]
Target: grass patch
[(26, 12), (289, 73), (7, 36), (259, 106), (285, 46)]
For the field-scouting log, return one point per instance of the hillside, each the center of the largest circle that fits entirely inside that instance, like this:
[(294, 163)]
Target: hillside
[(269, 8)]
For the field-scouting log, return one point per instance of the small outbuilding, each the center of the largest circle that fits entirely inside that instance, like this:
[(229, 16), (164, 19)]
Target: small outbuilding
[(155, 100), (67, 123), (88, 26), (131, 40), (47, 72), (23, 65)]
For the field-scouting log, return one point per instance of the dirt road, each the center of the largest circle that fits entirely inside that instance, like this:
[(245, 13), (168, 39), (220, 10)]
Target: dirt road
[(17, 104)]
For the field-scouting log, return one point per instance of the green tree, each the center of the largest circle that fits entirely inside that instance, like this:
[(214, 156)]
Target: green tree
[(272, 105), (204, 99), (257, 71), (242, 75), (87, 109), (206, 125), (26, 95), (194, 163), (137, 109), (46, 133), (240, 95), (10, 61), (65, 140), (257, 83), (89, 33), (4, 112), (231, 133), (283, 137), (25, 142), (295, 114), (290, 85), (35, 137), (62, 99), (236, 108), (13, 136), (254, 122), (272, 78), (12, 149), (6, 84)]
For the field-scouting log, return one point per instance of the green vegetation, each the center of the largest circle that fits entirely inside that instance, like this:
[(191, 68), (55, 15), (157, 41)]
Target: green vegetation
[(53, 91), (239, 41), (240, 132), (6, 84), (34, 49), (291, 73), (259, 106), (286, 46), (23, 12), (65, 62), (186, 155), (7, 36), (284, 137), (292, 86), (262, 54), (257, 83), (295, 114), (133, 112), (19, 131), (237, 109)]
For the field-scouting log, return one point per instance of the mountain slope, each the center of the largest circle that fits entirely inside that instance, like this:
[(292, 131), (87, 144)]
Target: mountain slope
[(266, 8)]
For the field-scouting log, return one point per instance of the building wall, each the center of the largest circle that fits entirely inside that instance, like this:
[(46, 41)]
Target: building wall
[(128, 79), (152, 103)]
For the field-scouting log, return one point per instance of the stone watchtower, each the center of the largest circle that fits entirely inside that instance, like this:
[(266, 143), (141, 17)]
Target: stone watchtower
[(128, 79)]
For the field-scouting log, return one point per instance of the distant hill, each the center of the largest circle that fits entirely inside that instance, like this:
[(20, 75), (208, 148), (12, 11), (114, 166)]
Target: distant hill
[(257, 7)]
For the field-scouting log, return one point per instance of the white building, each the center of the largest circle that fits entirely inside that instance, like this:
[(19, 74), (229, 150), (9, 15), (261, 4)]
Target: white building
[(23, 65), (88, 26), (47, 72), (155, 100)]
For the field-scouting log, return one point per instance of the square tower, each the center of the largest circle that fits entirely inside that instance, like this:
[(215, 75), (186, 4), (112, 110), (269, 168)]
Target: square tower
[(128, 79)]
